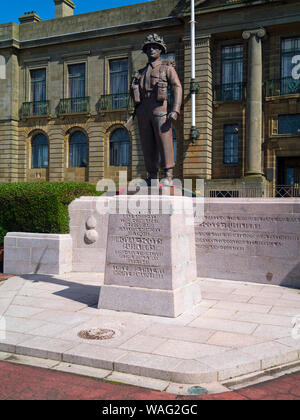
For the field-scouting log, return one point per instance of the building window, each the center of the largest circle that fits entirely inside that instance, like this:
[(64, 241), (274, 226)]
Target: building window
[(119, 148), (232, 73), (38, 91), (78, 150), (2, 67), (231, 143), (77, 80), (289, 124), (290, 66), (77, 87), (39, 149), (118, 82)]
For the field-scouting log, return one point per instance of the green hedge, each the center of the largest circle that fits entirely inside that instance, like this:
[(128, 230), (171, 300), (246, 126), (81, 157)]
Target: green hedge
[(38, 207)]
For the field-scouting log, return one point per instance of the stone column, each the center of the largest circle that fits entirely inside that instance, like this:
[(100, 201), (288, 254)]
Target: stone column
[(254, 101)]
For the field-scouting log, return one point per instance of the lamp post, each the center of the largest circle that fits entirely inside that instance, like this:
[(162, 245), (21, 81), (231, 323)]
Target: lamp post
[(194, 86)]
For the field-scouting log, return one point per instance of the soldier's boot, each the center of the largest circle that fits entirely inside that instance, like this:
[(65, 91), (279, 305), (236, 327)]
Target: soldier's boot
[(152, 180), (168, 177)]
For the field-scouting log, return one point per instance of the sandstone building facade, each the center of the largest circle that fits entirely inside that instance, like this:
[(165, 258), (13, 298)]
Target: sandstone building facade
[(64, 92)]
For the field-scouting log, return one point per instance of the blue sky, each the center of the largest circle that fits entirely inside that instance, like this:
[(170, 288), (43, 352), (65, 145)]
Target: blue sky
[(10, 12)]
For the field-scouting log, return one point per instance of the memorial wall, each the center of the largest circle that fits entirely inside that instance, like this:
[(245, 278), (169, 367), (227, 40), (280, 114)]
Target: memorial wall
[(254, 240)]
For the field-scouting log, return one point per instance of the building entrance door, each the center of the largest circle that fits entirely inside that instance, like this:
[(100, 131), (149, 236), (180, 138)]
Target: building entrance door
[(288, 176)]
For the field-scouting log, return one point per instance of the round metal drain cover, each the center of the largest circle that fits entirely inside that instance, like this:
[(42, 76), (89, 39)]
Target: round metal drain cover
[(96, 334)]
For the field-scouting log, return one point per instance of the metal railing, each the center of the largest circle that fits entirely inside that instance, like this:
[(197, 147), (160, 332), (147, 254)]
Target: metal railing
[(114, 101), (283, 86), (74, 105), (252, 191), (32, 109), (230, 92), (239, 191), (288, 191)]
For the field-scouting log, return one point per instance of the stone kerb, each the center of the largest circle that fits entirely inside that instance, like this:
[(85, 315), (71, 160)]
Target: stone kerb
[(254, 240), (33, 253)]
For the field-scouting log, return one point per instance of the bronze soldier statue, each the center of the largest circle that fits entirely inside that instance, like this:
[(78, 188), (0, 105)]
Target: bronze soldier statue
[(149, 90)]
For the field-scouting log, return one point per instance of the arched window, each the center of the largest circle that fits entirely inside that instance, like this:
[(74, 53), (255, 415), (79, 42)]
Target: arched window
[(78, 150), (39, 148), (119, 148), (2, 67)]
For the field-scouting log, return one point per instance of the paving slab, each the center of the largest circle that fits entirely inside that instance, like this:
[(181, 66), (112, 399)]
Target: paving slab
[(237, 329), (234, 340), (272, 354), (44, 347)]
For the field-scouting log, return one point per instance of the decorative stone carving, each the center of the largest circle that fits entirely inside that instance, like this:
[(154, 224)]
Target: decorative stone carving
[(91, 235), (91, 223)]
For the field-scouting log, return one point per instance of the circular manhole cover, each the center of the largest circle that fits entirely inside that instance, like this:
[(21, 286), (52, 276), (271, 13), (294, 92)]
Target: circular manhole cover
[(96, 334)]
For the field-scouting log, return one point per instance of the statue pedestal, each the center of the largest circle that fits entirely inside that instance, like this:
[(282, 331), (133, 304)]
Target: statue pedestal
[(150, 259)]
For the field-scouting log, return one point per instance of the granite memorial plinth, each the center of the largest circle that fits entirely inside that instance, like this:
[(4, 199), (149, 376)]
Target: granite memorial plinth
[(150, 258)]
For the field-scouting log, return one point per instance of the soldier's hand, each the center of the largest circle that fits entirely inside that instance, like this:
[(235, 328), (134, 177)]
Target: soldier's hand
[(173, 116)]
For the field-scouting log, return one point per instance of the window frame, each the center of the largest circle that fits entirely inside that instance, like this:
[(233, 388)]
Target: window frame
[(237, 128), (222, 72), (70, 135), (282, 53), (70, 62), (291, 134), (32, 148), (107, 60), (110, 142), (285, 88), (42, 64)]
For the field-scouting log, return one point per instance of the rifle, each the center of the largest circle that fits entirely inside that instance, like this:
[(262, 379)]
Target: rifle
[(129, 123), (136, 99)]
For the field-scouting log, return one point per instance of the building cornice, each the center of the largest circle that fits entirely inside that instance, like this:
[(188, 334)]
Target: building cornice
[(91, 33), (230, 5)]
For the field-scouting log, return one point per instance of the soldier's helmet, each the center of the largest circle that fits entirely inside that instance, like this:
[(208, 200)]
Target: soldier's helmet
[(155, 39)]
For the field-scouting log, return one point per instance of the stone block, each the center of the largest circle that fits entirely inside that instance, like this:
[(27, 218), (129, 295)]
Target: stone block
[(17, 254), (38, 253), (254, 240), (232, 363), (93, 356), (150, 258), (44, 347), (149, 301), (154, 366)]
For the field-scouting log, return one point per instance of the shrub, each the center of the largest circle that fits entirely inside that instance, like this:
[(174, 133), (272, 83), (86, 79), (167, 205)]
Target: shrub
[(38, 207)]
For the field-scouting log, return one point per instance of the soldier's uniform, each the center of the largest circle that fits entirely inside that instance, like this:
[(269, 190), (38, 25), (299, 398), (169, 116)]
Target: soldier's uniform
[(149, 90)]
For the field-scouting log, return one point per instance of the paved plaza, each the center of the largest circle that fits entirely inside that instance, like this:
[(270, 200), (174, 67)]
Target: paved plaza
[(237, 329)]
